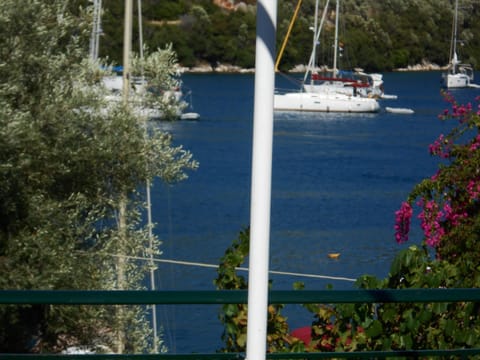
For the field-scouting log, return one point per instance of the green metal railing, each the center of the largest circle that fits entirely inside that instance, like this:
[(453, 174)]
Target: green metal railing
[(60, 297)]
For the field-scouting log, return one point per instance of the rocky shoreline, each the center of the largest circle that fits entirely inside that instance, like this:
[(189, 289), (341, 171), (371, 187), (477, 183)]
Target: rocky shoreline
[(221, 68), (226, 68), (424, 66)]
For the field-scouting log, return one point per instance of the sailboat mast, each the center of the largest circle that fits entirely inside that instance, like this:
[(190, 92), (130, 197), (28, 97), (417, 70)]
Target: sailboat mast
[(312, 62), (140, 28), (96, 29), (335, 49), (99, 28), (127, 46), (455, 25), (149, 203), (314, 47)]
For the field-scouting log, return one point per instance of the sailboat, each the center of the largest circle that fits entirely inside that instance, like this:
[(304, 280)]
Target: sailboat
[(173, 101), (458, 75), (328, 93)]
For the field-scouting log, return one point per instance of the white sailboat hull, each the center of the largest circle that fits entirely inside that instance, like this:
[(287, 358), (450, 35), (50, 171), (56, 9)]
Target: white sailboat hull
[(321, 102), (458, 80)]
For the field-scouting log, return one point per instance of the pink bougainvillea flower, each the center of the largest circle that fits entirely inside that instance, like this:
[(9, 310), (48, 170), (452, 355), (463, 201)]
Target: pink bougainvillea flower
[(431, 218), (475, 143), (473, 190), (440, 147), (452, 195), (403, 218)]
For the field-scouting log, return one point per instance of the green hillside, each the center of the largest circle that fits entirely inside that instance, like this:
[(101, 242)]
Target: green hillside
[(375, 35)]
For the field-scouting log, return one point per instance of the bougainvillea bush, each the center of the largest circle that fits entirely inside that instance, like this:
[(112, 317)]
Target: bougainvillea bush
[(449, 200), (447, 206)]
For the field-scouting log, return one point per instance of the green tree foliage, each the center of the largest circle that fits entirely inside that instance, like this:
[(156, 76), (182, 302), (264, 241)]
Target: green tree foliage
[(69, 163), (234, 316), (111, 40), (167, 10), (392, 326), (163, 84)]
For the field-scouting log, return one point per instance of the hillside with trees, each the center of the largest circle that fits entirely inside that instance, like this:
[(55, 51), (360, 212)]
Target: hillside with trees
[(374, 35)]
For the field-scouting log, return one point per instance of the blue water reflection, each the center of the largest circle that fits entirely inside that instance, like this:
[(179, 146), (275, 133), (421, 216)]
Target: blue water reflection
[(337, 181)]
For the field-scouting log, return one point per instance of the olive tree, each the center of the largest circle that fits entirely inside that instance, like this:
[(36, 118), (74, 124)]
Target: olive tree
[(72, 171)]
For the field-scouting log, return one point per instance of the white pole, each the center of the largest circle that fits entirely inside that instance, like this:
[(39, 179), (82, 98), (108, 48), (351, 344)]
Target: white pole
[(261, 180), (127, 46)]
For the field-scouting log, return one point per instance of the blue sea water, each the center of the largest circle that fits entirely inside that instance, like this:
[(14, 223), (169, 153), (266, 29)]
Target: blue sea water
[(337, 181)]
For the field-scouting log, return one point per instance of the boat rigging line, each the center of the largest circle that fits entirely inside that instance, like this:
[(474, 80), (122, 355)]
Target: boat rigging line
[(213, 266), (285, 40)]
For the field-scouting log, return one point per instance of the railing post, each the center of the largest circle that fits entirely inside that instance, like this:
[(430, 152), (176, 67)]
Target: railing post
[(261, 180)]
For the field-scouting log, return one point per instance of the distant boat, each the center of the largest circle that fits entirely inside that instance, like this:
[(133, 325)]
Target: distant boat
[(173, 101), (327, 94), (189, 116), (399, 110), (458, 75), (324, 102)]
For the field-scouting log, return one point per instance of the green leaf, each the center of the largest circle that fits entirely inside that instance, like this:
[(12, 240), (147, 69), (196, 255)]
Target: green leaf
[(449, 326), (406, 341), (425, 316), (461, 336), (439, 308), (242, 340), (375, 329), (472, 338), (389, 315), (412, 323)]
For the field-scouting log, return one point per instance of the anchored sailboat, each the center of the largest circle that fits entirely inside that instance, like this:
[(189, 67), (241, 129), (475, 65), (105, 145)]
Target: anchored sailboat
[(459, 75), (328, 94), (167, 104)]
